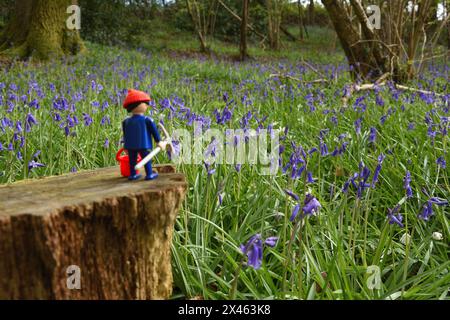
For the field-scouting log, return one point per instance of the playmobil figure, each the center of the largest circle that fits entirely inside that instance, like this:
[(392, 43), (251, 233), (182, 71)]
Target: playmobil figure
[(138, 131)]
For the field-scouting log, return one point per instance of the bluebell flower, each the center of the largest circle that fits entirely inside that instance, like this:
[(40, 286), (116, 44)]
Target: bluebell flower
[(441, 162), (395, 217), (19, 126), (427, 209), (312, 150), (357, 124), (437, 201), (372, 135), (359, 180), (295, 212), (105, 120), (292, 194), (323, 149), (87, 119), (379, 100), (253, 249), (33, 164), (364, 176), (310, 178), (208, 168), (30, 121), (406, 184), (271, 241), (311, 205), (376, 173)]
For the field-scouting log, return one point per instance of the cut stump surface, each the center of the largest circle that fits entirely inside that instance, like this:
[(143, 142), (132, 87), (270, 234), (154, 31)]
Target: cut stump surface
[(118, 233)]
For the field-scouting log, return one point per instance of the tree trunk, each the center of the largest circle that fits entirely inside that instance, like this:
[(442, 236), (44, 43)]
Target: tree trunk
[(311, 12), (38, 29), (118, 233), (244, 22), (200, 26), (358, 55), (301, 20), (273, 22)]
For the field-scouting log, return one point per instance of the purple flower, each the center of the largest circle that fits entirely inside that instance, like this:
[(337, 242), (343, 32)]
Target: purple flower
[(359, 180), (292, 194), (30, 121), (310, 152), (441, 162), (438, 201), (311, 205), (372, 135), (310, 178), (406, 184), (87, 119), (323, 149), (295, 212), (381, 158), (105, 120), (395, 217), (271, 241), (224, 116), (33, 164), (106, 143), (19, 126), (209, 169), (254, 249), (379, 100), (427, 209), (357, 124)]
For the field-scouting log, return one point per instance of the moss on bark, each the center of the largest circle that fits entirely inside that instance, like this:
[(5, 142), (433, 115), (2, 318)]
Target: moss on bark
[(38, 29)]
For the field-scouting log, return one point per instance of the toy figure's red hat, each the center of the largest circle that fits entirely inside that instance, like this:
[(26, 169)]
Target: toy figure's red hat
[(135, 96)]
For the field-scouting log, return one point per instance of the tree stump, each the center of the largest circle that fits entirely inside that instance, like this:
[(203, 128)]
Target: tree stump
[(118, 233)]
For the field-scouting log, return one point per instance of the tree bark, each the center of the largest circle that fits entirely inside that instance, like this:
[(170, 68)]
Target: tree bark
[(357, 53), (301, 21), (311, 12), (244, 22), (274, 22), (117, 232), (38, 29)]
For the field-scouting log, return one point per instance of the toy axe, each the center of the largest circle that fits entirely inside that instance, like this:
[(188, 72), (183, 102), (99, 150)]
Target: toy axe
[(157, 150)]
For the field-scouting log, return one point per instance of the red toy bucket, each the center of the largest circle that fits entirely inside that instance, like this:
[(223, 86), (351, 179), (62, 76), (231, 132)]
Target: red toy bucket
[(125, 163)]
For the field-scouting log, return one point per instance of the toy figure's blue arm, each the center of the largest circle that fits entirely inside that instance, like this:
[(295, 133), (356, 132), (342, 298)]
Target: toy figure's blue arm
[(151, 127), (123, 130)]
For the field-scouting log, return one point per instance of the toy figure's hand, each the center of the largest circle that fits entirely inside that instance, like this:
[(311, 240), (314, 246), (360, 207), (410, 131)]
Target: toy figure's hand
[(162, 145)]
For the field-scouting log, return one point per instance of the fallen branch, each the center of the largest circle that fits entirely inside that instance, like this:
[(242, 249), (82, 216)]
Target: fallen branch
[(313, 69), (289, 34), (279, 75), (379, 83)]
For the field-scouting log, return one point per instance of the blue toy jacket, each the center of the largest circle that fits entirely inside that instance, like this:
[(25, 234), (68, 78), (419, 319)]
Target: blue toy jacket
[(138, 131)]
